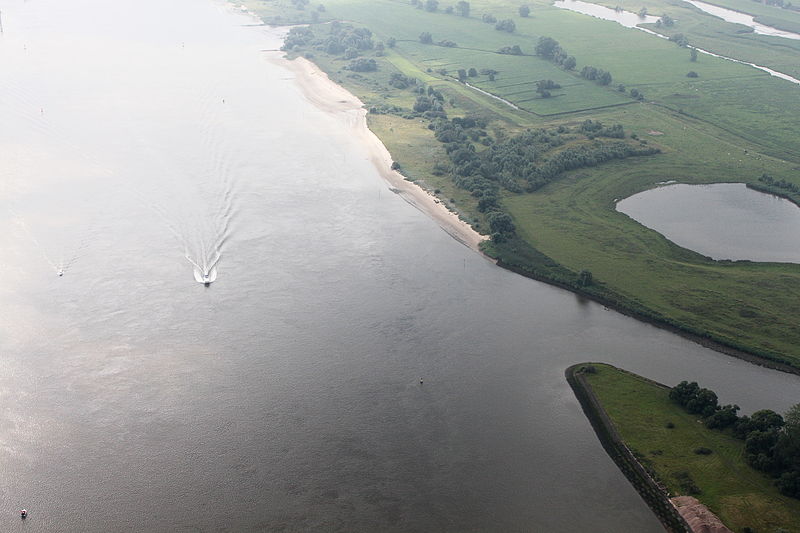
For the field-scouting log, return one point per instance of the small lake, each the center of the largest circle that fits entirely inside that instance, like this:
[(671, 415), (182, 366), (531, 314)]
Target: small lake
[(736, 17), (722, 221)]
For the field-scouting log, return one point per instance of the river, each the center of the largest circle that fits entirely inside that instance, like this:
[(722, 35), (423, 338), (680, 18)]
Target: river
[(285, 396)]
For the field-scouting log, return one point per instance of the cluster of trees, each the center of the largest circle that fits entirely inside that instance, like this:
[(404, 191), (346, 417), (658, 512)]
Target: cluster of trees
[(679, 39), (521, 163), (771, 441), (780, 184), (399, 81), (665, 20), (595, 128), (430, 103), (548, 48), (597, 75), (363, 64), (426, 37), (298, 37), (582, 156), (488, 18), (428, 5), (524, 11), (506, 25), (342, 39), (543, 87), (511, 50)]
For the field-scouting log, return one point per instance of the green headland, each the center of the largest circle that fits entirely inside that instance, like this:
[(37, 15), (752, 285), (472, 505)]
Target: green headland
[(683, 455)]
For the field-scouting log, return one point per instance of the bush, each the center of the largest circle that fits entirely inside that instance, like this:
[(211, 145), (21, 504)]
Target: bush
[(703, 451), (692, 74)]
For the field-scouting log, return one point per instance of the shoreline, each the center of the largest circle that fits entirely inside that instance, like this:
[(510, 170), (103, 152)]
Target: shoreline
[(332, 98)]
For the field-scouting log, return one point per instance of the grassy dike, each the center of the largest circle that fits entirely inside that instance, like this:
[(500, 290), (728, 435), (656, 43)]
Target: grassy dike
[(732, 124), (630, 415)]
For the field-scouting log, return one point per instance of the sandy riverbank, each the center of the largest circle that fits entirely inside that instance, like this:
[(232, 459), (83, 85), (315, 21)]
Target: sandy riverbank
[(332, 98)]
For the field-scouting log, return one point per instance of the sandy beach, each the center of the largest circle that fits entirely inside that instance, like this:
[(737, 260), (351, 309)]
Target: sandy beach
[(332, 98)]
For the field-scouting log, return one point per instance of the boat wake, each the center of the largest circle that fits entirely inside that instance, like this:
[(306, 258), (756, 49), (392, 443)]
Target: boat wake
[(205, 272)]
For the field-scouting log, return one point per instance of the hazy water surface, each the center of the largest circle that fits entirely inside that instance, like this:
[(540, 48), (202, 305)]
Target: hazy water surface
[(285, 396)]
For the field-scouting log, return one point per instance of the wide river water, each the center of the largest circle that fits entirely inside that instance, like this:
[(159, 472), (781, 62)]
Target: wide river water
[(285, 396)]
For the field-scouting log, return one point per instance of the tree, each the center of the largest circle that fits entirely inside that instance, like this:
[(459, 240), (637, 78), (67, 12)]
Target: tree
[(584, 278), (472, 72), (506, 25), (546, 47), (363, 65), (431, 5), (604, 77), (462, 75), (680, 39), (643, 12), (723, 417), (569, 63), (524, 11), (462, 8), (692, 74), (693, 55), (666, 20), (390, 42), (426, 37), (500, 222), (488, 18)]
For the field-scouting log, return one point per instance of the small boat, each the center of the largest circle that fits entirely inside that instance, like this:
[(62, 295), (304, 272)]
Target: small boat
[(23, 514), (60, 272), (206, 280)]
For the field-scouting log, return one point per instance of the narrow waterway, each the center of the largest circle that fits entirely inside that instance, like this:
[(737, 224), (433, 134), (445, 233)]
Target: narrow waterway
[(629, 20), (736, 17), (141, 138)]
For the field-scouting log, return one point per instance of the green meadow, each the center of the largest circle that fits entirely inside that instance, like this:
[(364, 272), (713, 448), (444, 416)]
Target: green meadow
[(732, 123), (739, 495)]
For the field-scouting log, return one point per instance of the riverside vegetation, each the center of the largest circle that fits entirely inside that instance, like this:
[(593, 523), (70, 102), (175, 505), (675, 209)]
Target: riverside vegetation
[(743, 468), (533, 125)]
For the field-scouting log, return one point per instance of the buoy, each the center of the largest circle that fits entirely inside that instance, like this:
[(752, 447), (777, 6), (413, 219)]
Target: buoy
[(420, 381)]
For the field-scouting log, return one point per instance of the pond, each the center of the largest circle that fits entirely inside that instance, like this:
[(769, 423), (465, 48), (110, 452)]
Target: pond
[(722, 221)]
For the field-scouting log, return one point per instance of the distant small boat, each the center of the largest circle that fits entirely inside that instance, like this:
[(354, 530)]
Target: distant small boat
[(60, 272), (23, 514), (206, 280)]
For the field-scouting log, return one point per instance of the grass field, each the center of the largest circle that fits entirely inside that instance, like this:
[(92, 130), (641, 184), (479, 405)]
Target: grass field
[(730, 124), (739, 495)]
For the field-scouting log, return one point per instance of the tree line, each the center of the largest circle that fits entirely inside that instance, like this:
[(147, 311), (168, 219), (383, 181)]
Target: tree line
[(522, 163), (771, 441)]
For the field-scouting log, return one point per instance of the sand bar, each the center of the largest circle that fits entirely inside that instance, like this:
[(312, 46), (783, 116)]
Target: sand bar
[(332, 98)]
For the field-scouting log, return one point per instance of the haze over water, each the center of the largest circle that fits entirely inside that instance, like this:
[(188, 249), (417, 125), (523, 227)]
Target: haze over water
[(286, 395)]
